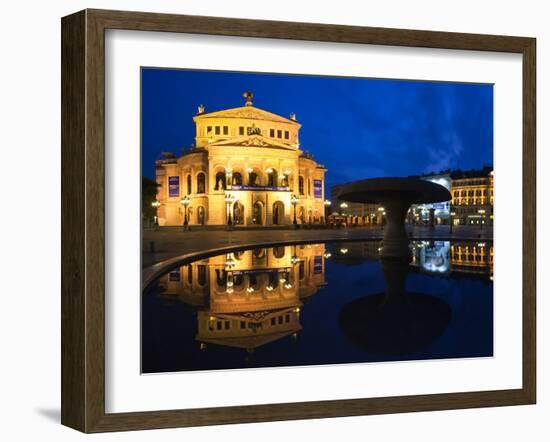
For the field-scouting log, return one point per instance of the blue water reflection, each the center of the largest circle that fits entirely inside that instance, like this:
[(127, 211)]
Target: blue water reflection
[(320, 304)]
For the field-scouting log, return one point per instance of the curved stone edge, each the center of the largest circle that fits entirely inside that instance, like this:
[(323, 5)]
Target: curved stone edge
[(151, 273)]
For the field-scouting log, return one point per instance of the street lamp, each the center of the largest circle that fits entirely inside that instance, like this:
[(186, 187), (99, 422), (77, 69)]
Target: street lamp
[(343, 207), (327, 205), (382, 213), (294, 201), (482, 218), (156, 205), (185, 201), (451, 220), (229, 199)]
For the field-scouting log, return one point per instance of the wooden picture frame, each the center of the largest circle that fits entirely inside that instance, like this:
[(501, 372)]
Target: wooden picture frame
[(83, 220)]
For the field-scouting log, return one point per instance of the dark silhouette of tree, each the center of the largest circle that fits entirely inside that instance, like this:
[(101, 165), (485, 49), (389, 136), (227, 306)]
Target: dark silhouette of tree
[(148, 195)]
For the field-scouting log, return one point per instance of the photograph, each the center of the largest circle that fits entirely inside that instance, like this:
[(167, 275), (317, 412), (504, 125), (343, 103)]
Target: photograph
[(301, 220)]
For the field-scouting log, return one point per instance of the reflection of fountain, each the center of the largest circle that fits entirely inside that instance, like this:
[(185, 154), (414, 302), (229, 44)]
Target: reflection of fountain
[(395, 322), (396, 195)]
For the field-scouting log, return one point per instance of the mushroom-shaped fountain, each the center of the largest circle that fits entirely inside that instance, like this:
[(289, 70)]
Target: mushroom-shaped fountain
[(396, 196)]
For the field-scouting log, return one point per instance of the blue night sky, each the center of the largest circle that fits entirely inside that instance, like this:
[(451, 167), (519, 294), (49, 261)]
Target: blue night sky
[(358, 128)]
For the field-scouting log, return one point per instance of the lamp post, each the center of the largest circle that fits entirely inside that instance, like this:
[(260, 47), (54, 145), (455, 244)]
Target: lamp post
[(185, 201), (481, 218), (327, 206), (229, 199), (343, 207), (156, 205), (451, 220), (294, 201), (381, 210)]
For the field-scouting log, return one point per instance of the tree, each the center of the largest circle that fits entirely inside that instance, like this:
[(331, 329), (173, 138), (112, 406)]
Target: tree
[(149, 190)]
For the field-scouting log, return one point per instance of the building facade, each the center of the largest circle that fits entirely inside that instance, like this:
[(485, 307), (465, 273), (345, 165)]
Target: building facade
[(244, 168), (353, 214), (472, 197)]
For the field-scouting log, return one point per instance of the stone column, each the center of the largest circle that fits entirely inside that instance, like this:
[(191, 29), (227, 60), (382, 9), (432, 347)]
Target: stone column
[(431, 218), (395, 244)]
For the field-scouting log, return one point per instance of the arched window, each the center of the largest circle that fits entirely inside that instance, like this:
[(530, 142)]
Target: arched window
[(253, 179), (201, 183), (284, 181), (189, 184), (237, 179), (272, 178), (279, 252), (301, 185), (202, 275), (273, 279), (221, 277), (220, 181)]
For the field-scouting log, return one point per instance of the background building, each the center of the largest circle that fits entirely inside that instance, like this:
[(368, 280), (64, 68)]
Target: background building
[(472, 197), (433, 213), (245, 166), (350, 214), (471, 204)]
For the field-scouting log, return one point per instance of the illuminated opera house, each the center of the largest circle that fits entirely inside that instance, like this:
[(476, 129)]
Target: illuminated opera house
[(246, 168), (250, 298)]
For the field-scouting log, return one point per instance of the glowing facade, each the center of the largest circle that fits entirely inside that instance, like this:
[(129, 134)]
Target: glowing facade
[(473, 198), (244, 168), (248, 299)]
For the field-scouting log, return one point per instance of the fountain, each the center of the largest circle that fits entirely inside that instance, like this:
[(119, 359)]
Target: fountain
[(396, 196), (396, 322)]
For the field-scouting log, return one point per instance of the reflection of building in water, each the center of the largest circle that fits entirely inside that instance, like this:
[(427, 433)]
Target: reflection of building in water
[(355, 252), (472, 257), (428, 256), (460, 257), (244, 168), (431, 256), (247, 299)]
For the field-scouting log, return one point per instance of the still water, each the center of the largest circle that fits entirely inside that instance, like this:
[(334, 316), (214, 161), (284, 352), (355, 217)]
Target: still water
[(320, 304)]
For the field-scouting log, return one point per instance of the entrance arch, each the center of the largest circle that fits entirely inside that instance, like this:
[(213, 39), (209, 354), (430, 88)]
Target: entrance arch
[(238, 213), (201, 215), (278, 213), (258, 213)]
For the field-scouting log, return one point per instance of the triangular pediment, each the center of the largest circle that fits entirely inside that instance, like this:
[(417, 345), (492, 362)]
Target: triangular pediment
[(249, 342), (255, 140), (248, 112)]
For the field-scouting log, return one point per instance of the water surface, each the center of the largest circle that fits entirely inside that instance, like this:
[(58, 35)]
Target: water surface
[(315, 304)]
